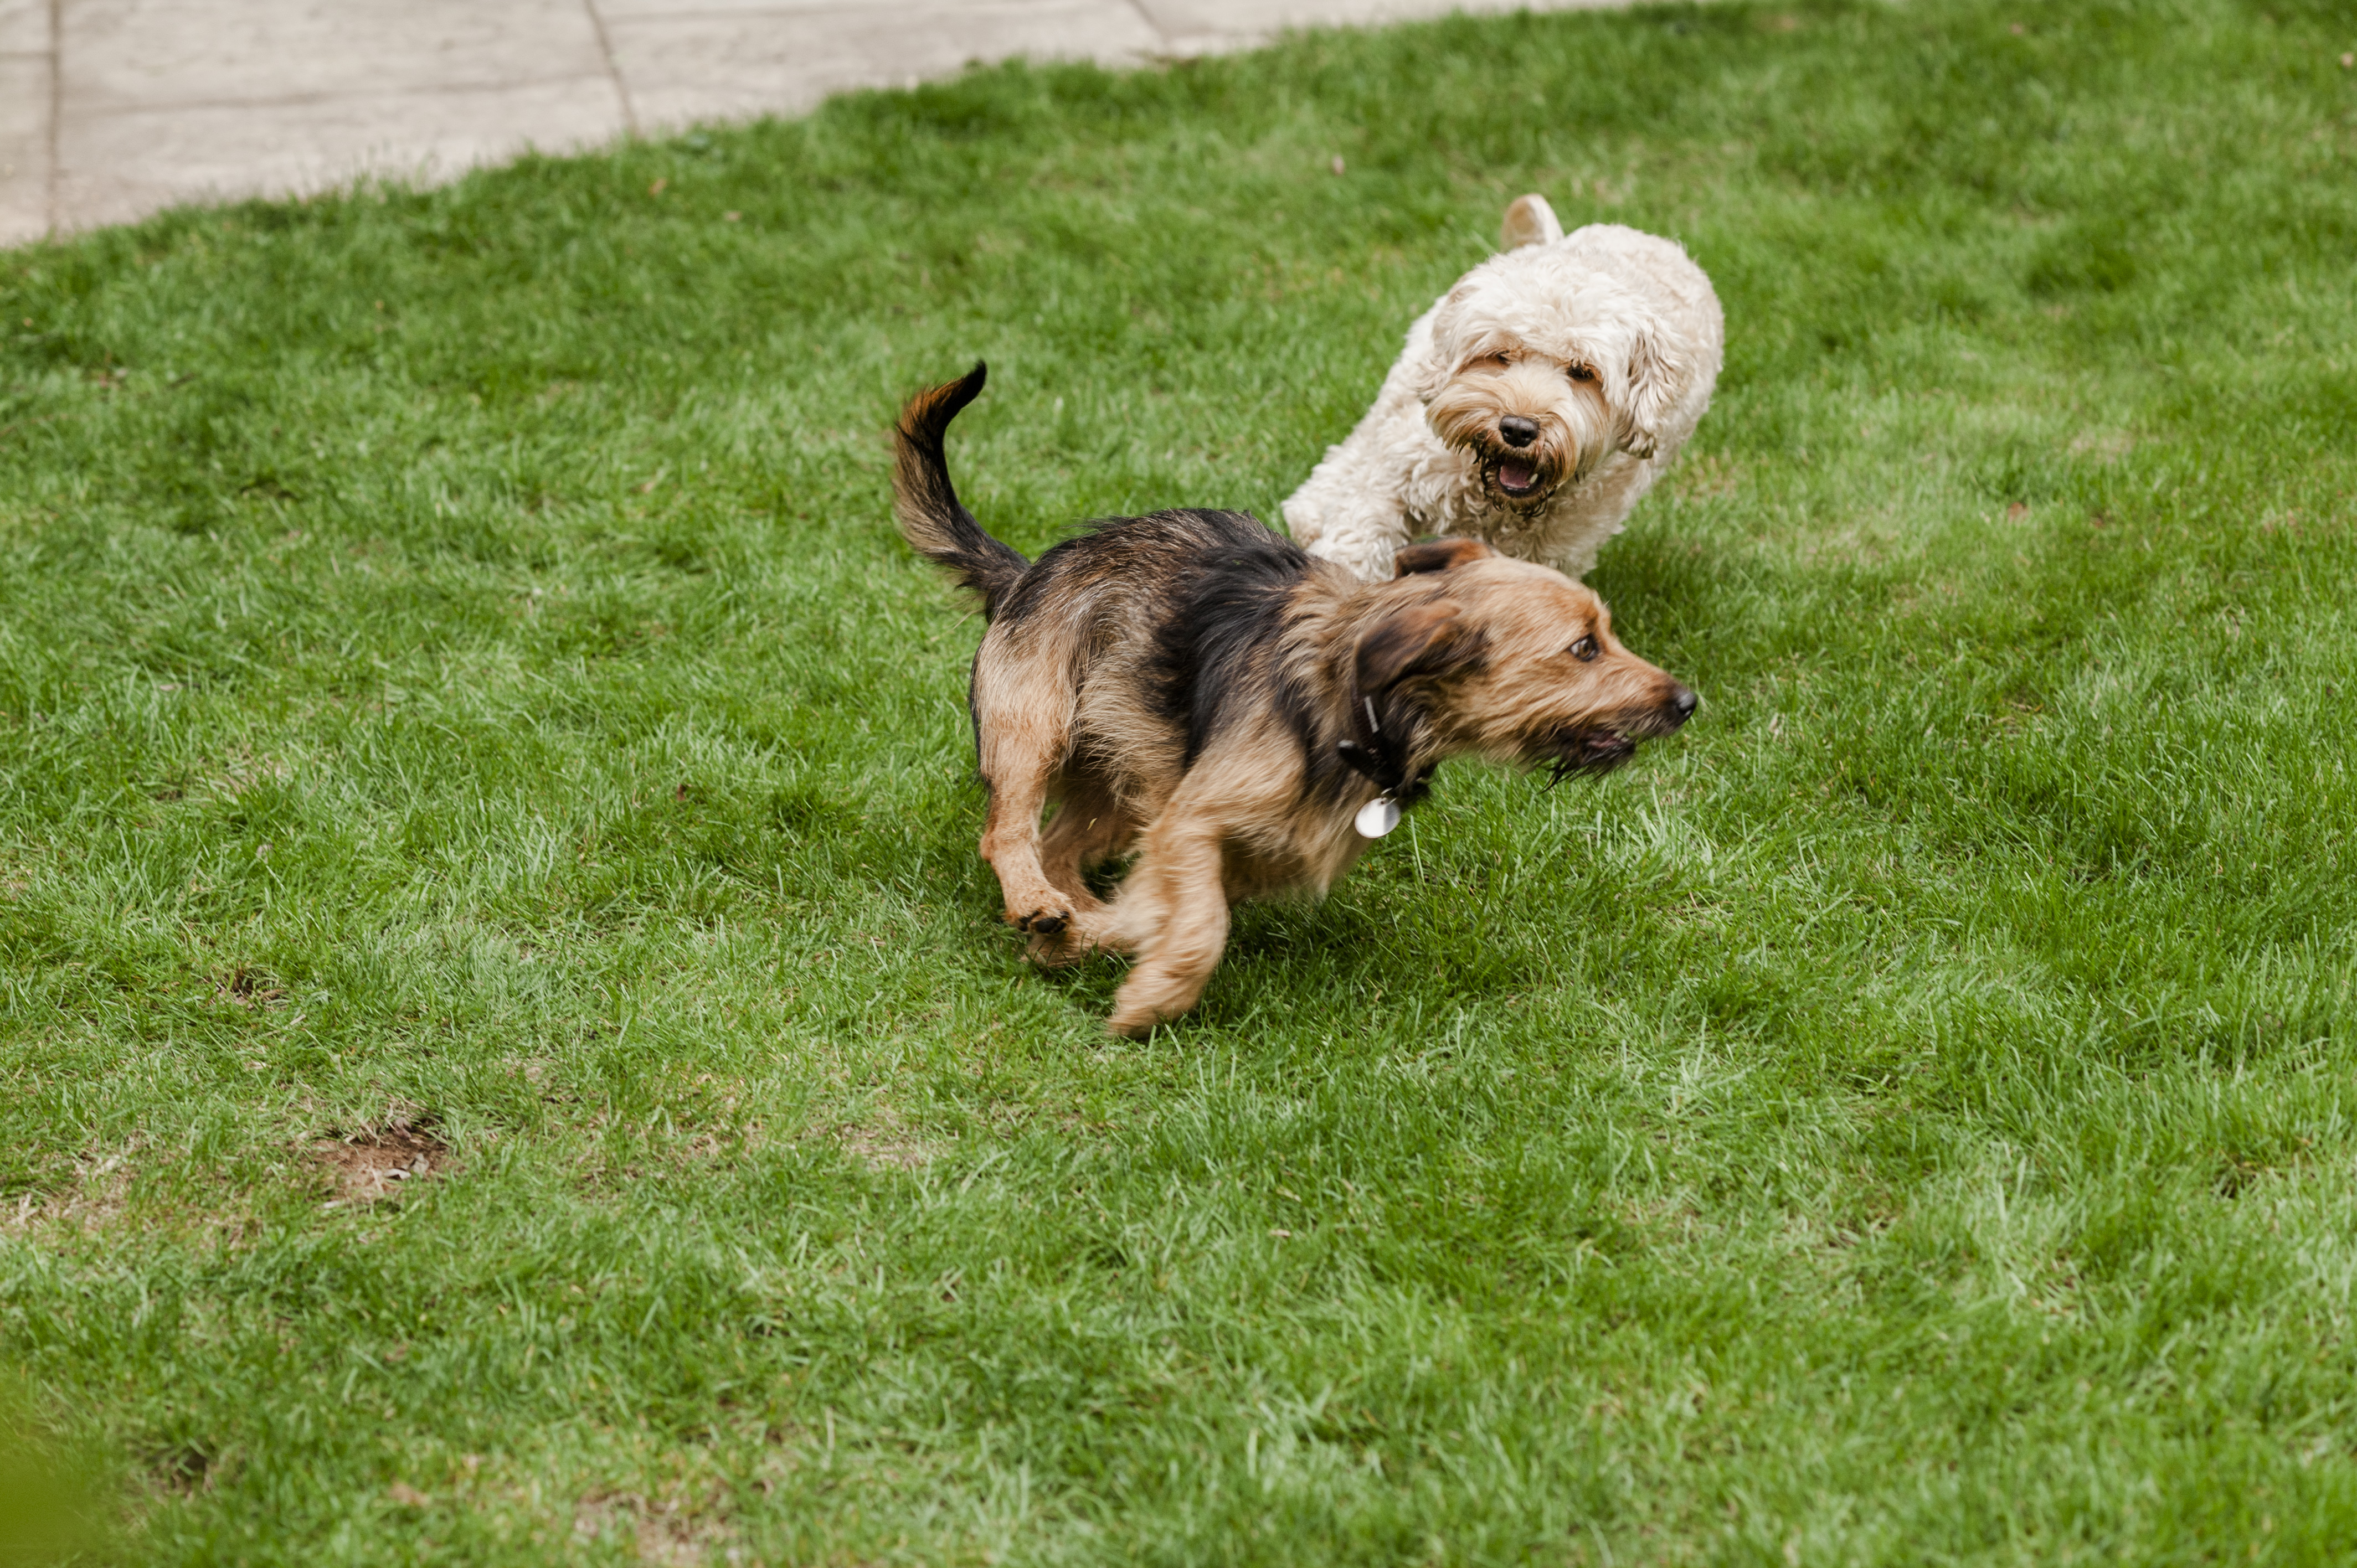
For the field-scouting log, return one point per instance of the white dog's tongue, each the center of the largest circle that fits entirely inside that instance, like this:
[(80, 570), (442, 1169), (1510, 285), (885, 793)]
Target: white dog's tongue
[(1516, 476)]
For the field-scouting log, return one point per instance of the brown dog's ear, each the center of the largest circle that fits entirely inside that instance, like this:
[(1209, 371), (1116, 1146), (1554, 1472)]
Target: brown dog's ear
[(1423, 640), (1438, 555)]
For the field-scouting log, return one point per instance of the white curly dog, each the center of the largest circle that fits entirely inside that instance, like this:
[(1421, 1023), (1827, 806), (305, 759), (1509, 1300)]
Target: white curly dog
[(1534, 405)]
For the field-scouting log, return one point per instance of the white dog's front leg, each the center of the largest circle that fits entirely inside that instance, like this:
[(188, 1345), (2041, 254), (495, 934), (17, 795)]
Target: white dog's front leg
[(1354, 533), (1352, 509)]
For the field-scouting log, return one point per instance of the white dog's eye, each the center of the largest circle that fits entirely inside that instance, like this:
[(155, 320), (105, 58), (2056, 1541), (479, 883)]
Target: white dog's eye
[(1580, 373), (1583, 649), (1501, 358)]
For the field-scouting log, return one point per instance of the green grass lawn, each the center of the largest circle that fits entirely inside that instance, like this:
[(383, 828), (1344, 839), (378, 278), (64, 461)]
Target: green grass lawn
[(462, 699)]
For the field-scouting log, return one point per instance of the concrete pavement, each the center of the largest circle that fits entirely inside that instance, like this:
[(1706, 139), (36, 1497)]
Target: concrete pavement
[(112, 109)]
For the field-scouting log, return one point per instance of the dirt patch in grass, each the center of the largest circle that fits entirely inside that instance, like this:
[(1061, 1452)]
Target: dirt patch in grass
[(97, 1195), (383, 1162), (668, 1531), (244, 986), (185, 1469), (883, 1143)]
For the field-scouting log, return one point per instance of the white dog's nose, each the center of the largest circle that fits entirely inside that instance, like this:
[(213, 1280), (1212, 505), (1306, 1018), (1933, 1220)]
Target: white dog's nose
[(1517, 431)]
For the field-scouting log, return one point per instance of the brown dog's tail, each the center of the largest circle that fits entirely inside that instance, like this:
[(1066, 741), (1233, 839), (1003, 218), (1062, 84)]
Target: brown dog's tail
[(931, 517)]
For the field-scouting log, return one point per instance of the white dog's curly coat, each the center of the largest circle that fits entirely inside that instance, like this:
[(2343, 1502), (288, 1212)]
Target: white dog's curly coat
[(1534, 405)]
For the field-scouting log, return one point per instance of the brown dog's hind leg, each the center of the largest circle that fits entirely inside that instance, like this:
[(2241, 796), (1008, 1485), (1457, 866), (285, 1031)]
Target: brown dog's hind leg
[(1174, 909), (1089, 827), (1011, 842), (1023, 706)]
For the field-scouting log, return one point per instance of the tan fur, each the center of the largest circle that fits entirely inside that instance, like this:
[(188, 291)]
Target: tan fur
[(1464, 651)]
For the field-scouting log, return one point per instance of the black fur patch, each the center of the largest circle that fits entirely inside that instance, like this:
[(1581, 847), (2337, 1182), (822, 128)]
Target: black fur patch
[(1230, 579), (1215, 650)]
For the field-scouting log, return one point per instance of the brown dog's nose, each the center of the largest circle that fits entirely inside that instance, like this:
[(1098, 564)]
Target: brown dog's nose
[(1517, 431), (1681, 703)]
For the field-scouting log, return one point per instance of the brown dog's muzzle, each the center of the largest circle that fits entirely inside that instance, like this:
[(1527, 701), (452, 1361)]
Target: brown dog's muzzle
[(1601, 747)]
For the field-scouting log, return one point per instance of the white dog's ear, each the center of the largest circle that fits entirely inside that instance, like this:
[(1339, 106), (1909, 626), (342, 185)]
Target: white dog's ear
[(1433, 375), (1439, 365), (1649, 387), (1529, 222)]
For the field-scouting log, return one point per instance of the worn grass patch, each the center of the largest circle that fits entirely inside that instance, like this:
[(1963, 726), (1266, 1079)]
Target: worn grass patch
[(462, 699)]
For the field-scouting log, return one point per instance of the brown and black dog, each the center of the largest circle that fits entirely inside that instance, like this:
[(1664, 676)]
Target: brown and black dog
[(1196, 688)]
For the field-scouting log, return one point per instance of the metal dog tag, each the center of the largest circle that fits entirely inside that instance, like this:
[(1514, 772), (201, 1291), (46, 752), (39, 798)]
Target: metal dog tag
[(1378, 817)]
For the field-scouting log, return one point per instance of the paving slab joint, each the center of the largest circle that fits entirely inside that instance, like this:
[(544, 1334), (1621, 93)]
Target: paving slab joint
[(613, 67), (54, 138), (1161, 38)]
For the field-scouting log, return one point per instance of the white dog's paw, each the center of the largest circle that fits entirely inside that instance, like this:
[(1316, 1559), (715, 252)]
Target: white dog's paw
[(1529, 222)]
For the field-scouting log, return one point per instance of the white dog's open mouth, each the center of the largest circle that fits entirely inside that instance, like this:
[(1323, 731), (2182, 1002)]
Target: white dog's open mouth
[(1517, 477)]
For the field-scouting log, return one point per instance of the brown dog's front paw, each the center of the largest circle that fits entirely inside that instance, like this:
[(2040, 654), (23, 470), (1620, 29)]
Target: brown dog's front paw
[(1136, 1010), (1124, 1026), (1153, 993)]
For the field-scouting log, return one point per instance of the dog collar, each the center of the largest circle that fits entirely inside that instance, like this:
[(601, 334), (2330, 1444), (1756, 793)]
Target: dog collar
[(1382, 760)]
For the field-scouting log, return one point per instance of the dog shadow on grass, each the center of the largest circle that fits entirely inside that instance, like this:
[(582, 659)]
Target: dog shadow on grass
[(1338, 965)]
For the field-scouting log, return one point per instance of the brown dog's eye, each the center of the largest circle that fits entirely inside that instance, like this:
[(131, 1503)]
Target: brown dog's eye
[(1583, 649), (1580, 373)]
